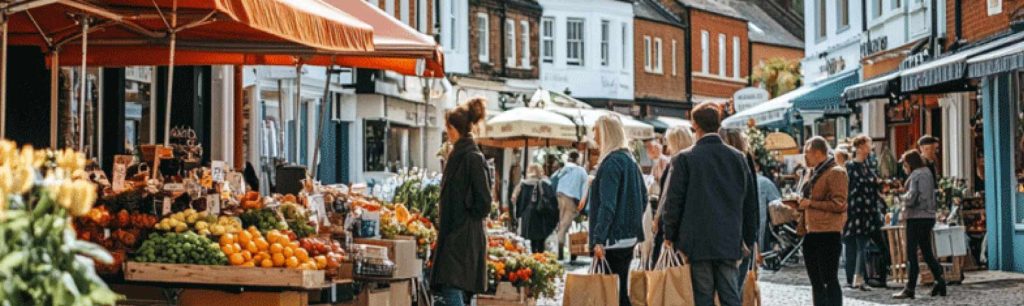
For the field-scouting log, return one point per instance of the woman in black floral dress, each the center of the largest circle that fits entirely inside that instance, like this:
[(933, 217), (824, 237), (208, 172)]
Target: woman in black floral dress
[(863, 215)]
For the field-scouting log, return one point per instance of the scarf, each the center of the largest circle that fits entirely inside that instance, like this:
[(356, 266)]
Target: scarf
[(815, 175)]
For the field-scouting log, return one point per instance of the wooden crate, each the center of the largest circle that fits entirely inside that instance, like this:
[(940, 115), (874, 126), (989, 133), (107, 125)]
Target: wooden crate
[(204, 297), (223, 275)]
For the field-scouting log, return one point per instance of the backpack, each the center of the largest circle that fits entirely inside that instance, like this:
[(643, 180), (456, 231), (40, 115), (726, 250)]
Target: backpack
[(543, 198)]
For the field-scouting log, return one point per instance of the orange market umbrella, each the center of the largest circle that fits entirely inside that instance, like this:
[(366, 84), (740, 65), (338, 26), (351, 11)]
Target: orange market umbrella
[(126, 28)]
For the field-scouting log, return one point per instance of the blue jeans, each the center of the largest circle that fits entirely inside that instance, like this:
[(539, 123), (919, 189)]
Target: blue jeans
[(450, 296), (856, 251), (715, 276)]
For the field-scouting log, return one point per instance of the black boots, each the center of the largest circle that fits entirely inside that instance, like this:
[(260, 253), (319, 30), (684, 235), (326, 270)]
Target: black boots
[(940, 288)]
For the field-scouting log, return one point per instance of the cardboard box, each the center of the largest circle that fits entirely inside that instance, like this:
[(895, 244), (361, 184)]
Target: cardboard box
[(950, 241), (403, 253), (401, 293), (374, 298), (204, 297)]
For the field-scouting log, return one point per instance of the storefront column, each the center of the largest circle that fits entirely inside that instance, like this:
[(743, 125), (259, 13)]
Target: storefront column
[(996, 100), (873, 119), (956, 135)]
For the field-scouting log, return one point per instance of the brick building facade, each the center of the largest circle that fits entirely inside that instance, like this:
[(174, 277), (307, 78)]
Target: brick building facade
[(979, 19), (659, 65), (510, 53)]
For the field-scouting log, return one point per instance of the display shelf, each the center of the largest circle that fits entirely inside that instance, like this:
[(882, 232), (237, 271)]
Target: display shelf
[(224, 275)]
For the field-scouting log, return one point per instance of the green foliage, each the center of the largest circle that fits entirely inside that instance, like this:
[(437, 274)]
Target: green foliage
[(766, 158), (778, 75), (420, 195), (41, 261), (183, 248)]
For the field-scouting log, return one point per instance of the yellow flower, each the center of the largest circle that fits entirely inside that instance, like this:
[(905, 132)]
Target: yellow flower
[(85, 196), (6, 179), (8, 150), (23, 177)]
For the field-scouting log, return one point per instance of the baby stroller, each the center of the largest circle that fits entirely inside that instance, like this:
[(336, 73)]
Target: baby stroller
[(783, 242)]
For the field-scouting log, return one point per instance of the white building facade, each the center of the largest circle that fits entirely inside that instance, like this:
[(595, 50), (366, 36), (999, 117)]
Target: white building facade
[(587, 49), (832, 36)]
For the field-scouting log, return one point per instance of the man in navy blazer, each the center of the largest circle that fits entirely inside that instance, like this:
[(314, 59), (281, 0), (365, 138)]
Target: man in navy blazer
[(710, 210)]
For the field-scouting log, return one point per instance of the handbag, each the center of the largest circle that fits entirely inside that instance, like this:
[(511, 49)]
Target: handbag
[(751, 291), (671, 283), (638, 279), (598, 286)]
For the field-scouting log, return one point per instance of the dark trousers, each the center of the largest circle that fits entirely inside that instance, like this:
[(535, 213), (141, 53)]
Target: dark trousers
[(619, 260), (919, 237), (856, 253), (537, 246), (715, 277), (821, 256)]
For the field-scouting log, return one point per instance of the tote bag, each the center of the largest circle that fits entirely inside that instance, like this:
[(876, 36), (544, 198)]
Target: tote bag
[(751, 291), (638, 279), (599, 286), (670, 284)]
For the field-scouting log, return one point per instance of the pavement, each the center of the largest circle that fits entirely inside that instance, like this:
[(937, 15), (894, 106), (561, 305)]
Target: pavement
[(790, 286)]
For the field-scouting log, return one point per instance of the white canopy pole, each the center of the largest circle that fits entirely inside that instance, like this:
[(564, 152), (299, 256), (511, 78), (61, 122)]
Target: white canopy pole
[(82, 84), (170, 75)]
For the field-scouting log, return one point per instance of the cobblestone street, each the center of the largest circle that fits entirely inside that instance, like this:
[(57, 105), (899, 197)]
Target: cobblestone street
[(790, 287)]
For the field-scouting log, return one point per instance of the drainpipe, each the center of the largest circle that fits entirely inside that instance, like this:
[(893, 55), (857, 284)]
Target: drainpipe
[(958, 20), (750, 61), (864, 22), (935, 28), (502, 39), (688, 45)]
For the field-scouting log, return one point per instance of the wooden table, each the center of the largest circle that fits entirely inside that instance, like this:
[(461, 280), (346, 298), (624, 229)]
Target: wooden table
[(897, 237)]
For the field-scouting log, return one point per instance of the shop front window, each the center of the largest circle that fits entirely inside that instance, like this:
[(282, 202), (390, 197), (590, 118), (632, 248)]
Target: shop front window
[(375, 133), (139, 101)]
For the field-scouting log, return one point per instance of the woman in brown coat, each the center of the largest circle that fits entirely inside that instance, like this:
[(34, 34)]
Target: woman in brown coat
[(459, 263)]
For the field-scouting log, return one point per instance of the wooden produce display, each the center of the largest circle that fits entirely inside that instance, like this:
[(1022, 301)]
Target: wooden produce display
[(402, 252), (898, 253), (204, 297), (224, 275)]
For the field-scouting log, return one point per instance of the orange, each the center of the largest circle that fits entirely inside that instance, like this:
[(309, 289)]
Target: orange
[(261, 256), (267, 263), (236, 259), (273, 236), (262, 244), (302, 254), (244, 237), (227, 249), (278, 260), (254, 231), (294, 244), (248, 264), (276, 248), (251, 247), (287, 251), (247, 255), (227, 239), (321, 261), (292, 262)]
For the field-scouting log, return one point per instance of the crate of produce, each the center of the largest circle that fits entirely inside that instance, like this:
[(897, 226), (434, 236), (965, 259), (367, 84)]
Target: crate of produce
[(223, 275), (402, 252)]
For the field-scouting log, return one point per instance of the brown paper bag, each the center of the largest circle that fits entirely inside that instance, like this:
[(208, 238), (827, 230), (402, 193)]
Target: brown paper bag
[(751, 291), (593, 288), (638, 280), (670, 284)]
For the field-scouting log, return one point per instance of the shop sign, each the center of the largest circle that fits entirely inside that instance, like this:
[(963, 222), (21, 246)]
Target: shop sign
[(874, 45), (833, 66), (916, 59), (749, 97)]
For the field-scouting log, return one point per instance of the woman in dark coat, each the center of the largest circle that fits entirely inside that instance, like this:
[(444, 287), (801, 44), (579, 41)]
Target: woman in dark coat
[(538, 207), (459, 263)]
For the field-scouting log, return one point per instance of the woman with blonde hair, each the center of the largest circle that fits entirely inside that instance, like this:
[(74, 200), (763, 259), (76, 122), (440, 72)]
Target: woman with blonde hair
[(738, 140), (617, 199), (677, 139)]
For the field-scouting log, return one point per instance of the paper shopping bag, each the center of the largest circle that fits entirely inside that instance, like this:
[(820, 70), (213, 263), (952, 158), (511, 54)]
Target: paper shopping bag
[(751, 291), (638, 279), (670, 283), (593, 288)]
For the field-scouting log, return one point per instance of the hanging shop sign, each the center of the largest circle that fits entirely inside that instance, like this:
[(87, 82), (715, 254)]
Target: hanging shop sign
[(833, 66), (874, 45), (749, 97), (916, 59)]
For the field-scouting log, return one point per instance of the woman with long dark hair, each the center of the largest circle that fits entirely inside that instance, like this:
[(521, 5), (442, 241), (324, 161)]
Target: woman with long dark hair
[(918, 213), (459, 263)]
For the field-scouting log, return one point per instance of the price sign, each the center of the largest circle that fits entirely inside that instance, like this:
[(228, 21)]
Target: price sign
[(120, 171), (213, 203), (316, 204), (236, 182), (166, 206), (218, 170)]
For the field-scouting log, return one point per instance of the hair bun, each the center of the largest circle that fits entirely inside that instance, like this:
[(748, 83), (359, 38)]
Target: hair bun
[(476, 110)]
